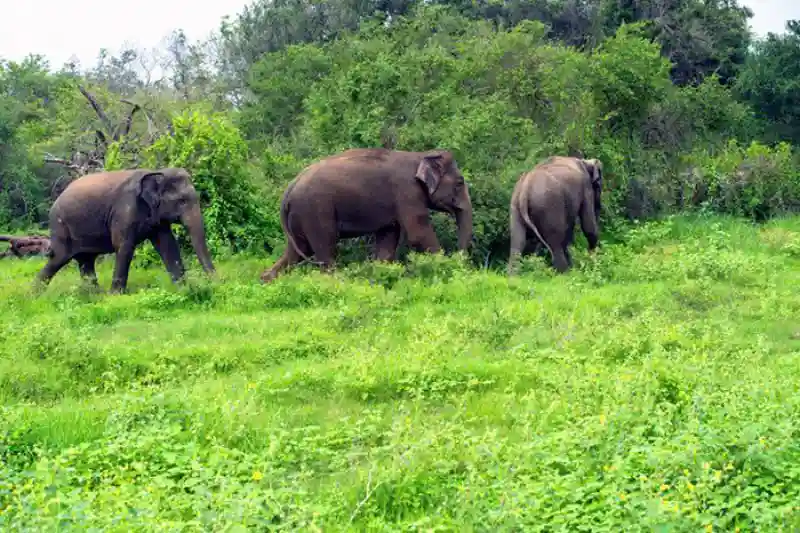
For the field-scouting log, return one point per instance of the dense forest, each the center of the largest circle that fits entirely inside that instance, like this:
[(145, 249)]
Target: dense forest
[(686, 109)]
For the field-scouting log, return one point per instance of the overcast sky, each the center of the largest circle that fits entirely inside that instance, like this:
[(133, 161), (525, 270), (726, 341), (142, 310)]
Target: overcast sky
[(60, 29)]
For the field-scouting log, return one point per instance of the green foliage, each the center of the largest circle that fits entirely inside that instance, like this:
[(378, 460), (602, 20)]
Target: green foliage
[(770, 81), (500, 99), (753, 181), (214, 153), (631, 75), (652, 387)]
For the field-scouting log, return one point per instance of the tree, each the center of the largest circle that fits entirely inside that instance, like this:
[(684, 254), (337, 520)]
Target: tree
[(770, 82)]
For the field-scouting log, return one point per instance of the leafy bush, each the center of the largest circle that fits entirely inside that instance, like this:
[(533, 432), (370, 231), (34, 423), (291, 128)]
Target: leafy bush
[(755, 181), (210, 147)]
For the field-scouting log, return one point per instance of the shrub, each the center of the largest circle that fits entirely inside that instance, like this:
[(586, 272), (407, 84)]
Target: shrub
[(755, 181), (211, 148)]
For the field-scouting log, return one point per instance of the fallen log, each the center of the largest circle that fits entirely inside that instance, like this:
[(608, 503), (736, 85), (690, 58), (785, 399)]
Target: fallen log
[(26, 246)]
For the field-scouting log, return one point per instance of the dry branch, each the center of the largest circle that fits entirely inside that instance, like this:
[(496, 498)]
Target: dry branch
[(85, 162)]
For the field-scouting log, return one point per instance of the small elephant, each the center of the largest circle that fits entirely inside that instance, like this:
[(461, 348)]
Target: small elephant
[(115, 211), (371, 191), (546, 201)]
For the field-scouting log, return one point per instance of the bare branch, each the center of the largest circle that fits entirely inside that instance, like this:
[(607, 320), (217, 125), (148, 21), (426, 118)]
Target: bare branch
[(101, 137), (97, 109), (126, 126)]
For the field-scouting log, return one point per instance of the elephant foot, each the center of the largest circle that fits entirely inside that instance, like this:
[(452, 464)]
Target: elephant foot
[(117, 290), (268, 276)]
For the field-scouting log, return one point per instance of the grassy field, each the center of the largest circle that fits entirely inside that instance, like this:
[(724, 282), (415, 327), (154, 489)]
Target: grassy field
[(654, 388)]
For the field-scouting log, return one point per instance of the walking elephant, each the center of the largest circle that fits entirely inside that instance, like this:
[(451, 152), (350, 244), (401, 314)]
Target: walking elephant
[(547, 200), (115, 211), (371, 191)]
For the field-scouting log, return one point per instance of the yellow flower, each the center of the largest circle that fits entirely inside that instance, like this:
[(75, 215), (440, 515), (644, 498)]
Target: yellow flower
[(622, 496), (663, 487), (689, 485), (603, 419), (709, 527), (257, 476)]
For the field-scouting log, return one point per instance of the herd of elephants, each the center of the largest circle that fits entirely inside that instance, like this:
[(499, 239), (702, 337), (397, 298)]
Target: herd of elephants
[(383, 192)]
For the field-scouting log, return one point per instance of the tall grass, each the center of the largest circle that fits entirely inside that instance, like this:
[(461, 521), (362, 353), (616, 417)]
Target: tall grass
[(655, 385)]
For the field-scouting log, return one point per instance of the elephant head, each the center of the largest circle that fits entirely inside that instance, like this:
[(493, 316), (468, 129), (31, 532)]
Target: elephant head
[(170, 197), (594, 167), (447, 191)]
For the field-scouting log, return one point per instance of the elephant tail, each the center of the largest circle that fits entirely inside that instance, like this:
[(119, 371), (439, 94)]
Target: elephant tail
[(285, 220), (523, 211)]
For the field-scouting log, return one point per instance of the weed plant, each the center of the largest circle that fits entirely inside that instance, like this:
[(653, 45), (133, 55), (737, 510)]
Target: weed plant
[(653, 387)]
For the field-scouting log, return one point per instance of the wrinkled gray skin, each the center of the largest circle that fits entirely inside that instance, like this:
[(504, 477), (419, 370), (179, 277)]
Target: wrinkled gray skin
[(387, 193), (547, 200), (113, 212)]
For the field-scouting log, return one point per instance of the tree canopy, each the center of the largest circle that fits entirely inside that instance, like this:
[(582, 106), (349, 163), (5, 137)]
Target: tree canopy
[(684, 107)]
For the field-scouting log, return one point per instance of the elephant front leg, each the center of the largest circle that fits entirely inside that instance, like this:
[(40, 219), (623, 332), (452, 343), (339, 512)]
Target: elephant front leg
[(167, 247), (420, 234), (386, 242), (589, 224), (119, 282)]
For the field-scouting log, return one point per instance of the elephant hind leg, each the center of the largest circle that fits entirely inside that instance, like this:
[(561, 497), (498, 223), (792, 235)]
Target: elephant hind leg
[(289, 258), (86, 266), (519, 241), (561, 259), (59, 257)]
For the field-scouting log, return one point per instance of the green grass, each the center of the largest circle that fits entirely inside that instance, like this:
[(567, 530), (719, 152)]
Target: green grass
[(653, 388)]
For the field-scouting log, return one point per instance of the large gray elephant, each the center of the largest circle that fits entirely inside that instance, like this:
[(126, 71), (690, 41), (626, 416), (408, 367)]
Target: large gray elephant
[(115, 211), (371, 191), (546, 202)]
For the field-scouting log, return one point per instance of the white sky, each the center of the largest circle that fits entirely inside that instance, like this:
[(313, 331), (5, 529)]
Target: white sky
[(59, 29)]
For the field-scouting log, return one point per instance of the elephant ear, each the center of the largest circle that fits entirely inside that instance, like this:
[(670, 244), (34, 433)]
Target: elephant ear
[(595, 168), (149, 190), (430, 171)]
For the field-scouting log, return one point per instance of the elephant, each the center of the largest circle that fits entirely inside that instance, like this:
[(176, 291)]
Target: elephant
[(547, 199), (377, 191), (114, 212)]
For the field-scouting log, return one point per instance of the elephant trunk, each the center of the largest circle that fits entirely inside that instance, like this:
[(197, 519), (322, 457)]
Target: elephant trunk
[(464, 223), (192, 219)]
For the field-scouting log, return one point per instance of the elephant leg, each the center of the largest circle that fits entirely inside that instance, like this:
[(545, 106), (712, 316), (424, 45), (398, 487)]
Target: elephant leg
[(589, 225), (167, 247), (119, 282), (323, 242), (518, 241), (561, 259), (290, 257), (419, 232), (86, 266), (59, 257), (386, 242)]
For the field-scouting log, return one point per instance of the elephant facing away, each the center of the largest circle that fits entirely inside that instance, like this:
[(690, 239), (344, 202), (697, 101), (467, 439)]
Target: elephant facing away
[(546, 202), (371, 191), (113, 212)]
